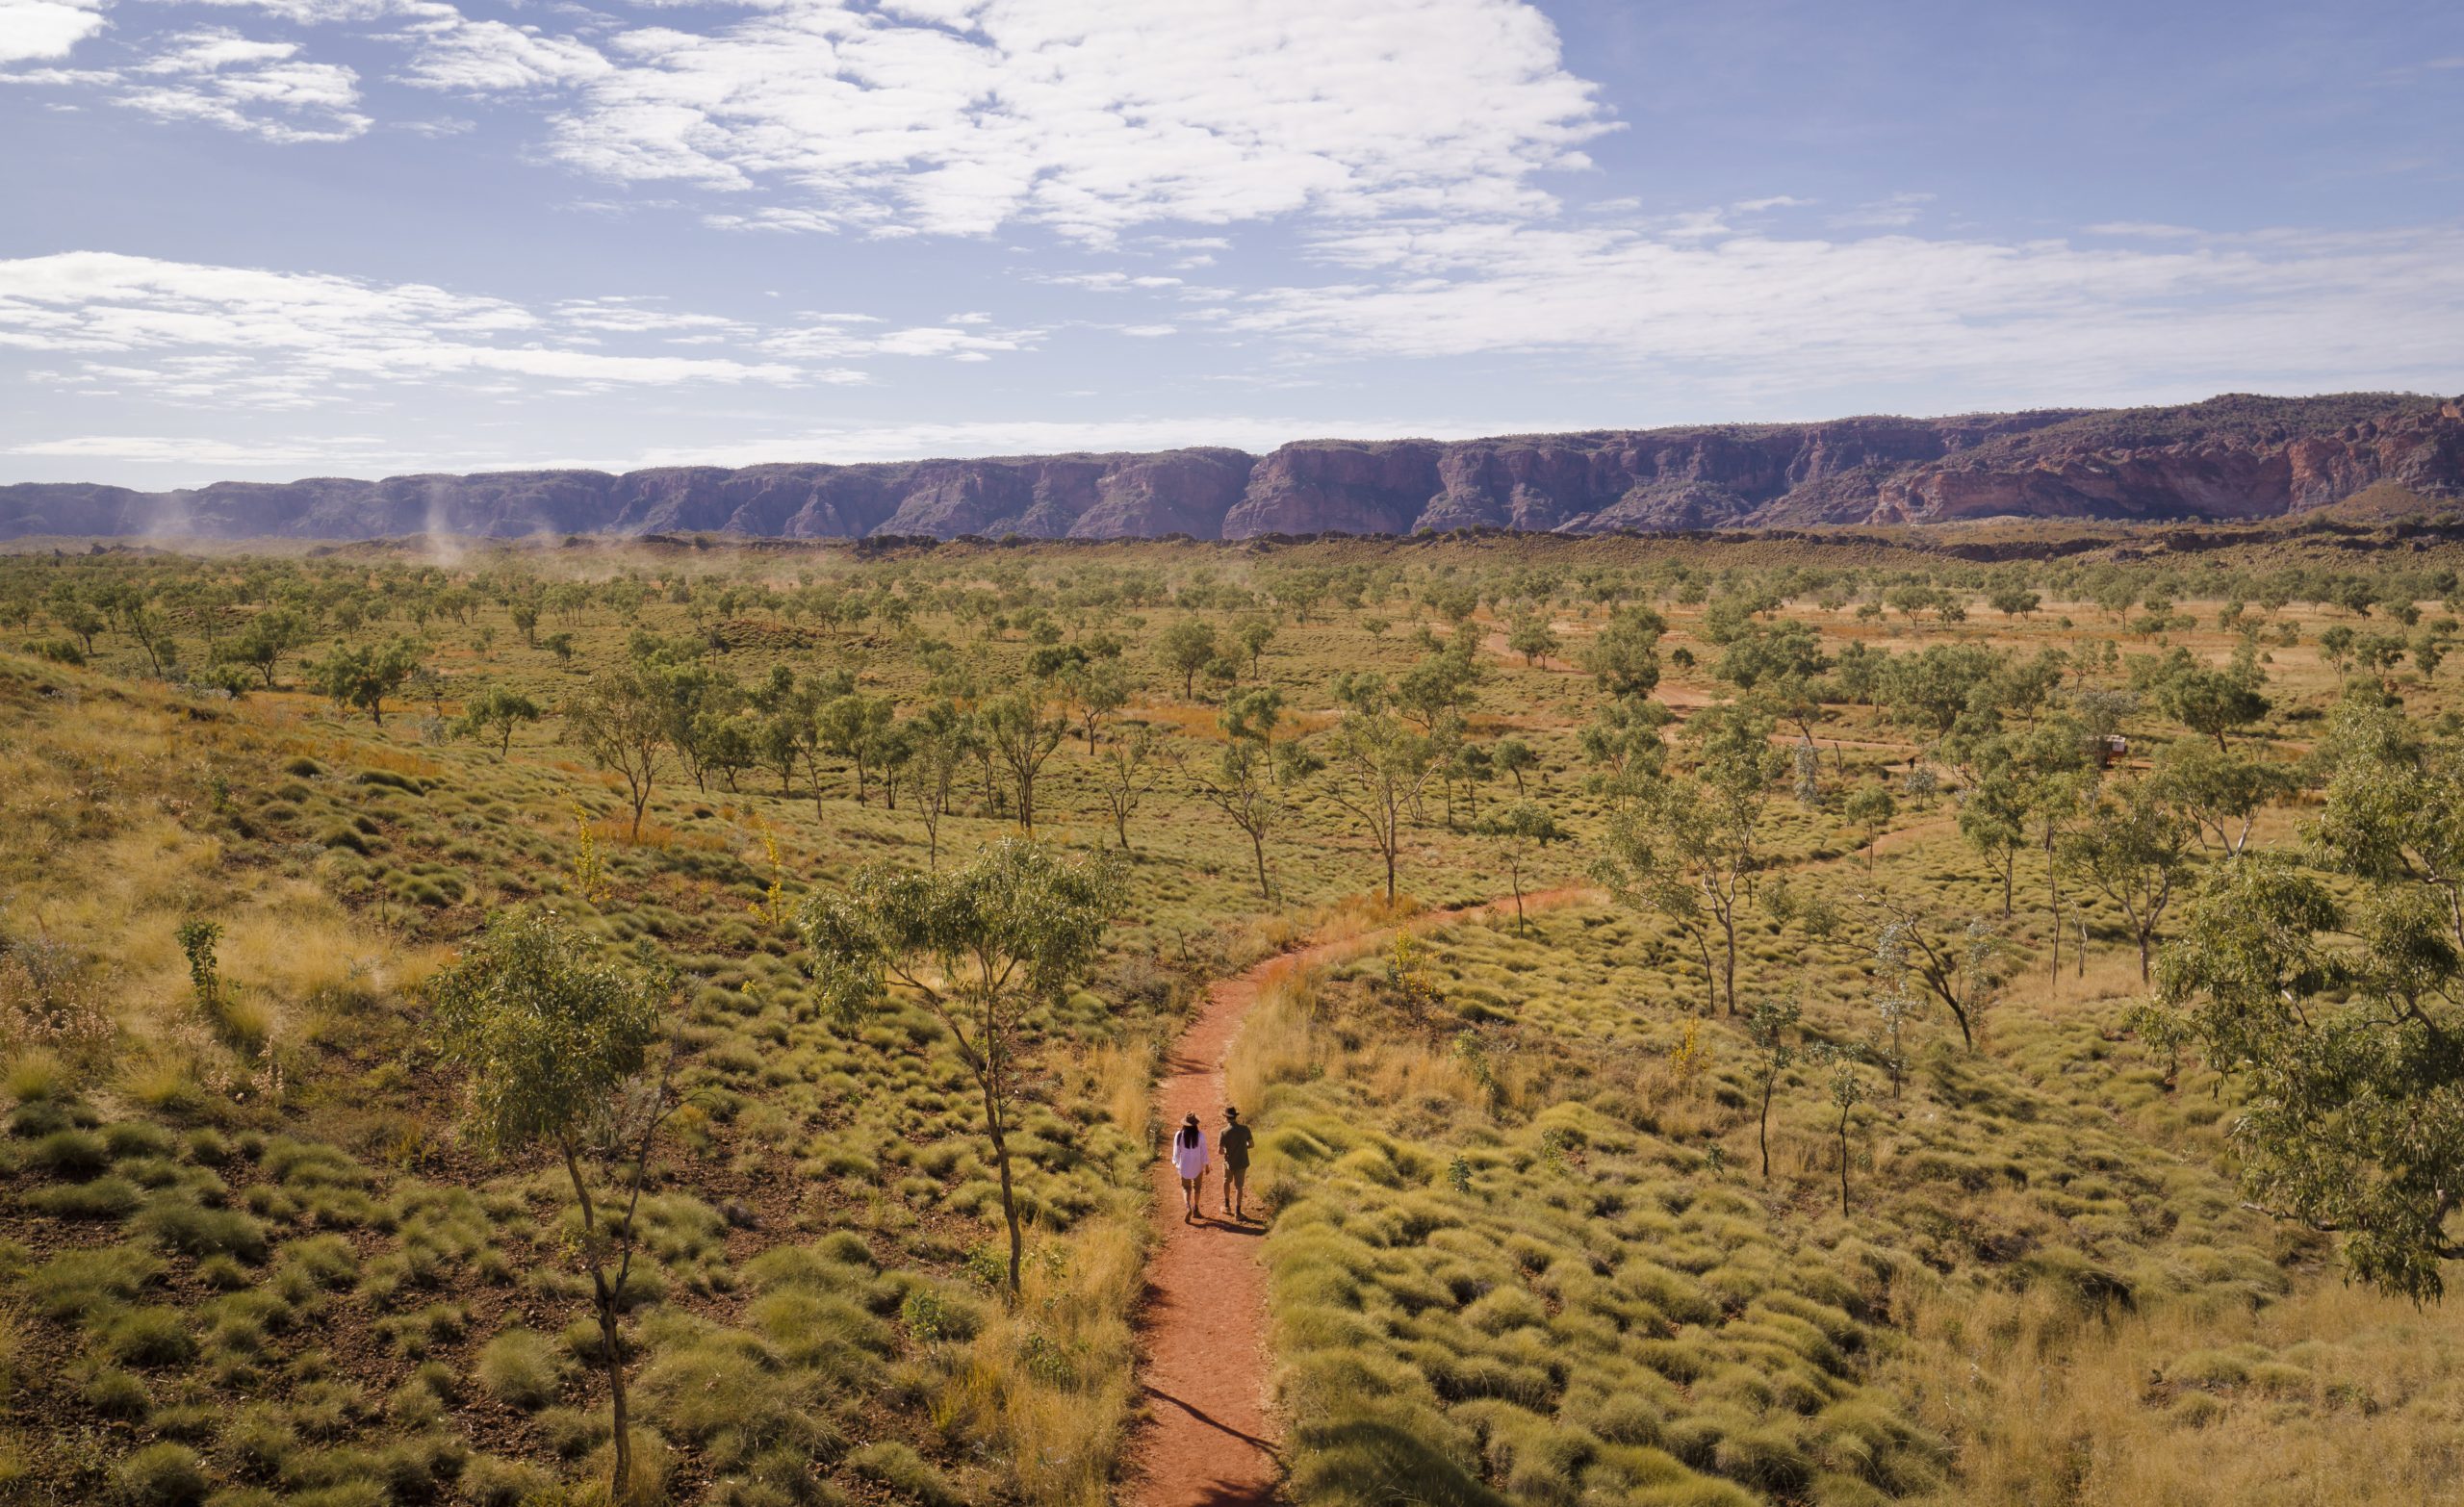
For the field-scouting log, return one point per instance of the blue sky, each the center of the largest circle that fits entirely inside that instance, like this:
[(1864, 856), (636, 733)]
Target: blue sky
[(274, 238)]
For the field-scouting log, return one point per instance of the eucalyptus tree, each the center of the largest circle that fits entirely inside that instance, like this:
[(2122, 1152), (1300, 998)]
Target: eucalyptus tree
[(982, 946), (558, 1041), (494, 712), (2133, 846), (1021, 731), (1522, 831), (1686, 847), (2344, 1021), (1380, 762), (1769, 1025), (1126, 773), (1243, 783), (618, 720)]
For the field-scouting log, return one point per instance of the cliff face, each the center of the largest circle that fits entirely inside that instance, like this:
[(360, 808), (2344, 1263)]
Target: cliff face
[(2234, 457)]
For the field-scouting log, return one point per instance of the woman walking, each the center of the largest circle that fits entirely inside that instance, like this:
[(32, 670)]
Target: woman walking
[(1188, 1160)]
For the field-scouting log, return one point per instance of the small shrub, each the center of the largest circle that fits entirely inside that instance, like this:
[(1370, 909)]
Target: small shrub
[(149, 1336), (69, 1154), (160, 1475), (520, 1369), (494, 1481), (103, 1198), (137, 1139), (900, 1470), (116, 1393), (194, 1230), (326, 1260), (258, 1443)]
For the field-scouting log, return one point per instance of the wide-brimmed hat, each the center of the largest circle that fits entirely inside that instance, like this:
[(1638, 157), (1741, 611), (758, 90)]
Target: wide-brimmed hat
[(1190, 1119), (1231, 1113)]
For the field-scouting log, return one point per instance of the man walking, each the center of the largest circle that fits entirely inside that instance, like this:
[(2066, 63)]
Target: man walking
[(1234, 1141)]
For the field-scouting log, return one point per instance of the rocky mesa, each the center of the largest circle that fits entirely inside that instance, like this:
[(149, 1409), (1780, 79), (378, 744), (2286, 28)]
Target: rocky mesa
[(2232, 457)]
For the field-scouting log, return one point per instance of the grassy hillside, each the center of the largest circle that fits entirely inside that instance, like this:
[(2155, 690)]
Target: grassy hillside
[(1521, 1245)]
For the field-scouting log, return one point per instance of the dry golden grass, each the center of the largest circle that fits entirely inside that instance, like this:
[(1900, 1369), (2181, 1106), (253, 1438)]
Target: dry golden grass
[(2335, 1396), (1046, 1382)]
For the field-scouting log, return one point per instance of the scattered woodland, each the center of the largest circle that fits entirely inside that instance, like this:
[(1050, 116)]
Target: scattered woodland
[(673, 1021)]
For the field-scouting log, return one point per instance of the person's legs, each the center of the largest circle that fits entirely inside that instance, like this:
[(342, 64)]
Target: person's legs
[(1236, 1188), (1189, 1201)]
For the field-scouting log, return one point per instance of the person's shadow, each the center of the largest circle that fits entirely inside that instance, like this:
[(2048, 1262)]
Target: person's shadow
[(1252, 1227)]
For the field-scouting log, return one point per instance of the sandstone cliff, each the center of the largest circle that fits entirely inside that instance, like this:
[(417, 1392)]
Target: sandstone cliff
[(2232, 457)]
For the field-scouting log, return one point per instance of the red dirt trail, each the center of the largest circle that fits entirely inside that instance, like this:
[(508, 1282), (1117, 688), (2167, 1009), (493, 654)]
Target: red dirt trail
[(1211, 1438)]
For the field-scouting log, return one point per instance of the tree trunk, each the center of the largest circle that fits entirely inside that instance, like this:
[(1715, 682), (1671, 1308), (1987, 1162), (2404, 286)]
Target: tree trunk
[(611, 1343), (1843, 1164), (1258, 848), (1008, 1198), (1763, 1134), (1728, 972)]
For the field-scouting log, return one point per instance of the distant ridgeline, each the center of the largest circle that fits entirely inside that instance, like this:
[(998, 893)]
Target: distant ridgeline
[(2231, 457)]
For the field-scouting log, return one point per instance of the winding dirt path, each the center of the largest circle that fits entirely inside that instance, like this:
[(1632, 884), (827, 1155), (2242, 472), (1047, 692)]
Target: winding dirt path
[(1211, 1439)]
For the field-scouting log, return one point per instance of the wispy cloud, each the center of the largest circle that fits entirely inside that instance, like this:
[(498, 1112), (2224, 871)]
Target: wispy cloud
[(1773, 315), (882, 442), (187, 331), (1884, 213), (219, 77)]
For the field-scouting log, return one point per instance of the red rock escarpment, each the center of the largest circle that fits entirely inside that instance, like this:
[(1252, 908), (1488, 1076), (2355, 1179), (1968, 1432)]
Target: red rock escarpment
[(2231, 457)]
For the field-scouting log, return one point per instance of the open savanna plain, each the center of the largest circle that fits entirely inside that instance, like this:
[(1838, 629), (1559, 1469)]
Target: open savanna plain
[(1788, 1123)]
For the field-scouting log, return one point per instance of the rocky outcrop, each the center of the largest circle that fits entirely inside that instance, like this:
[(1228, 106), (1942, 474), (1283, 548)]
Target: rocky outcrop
[(2232, 457)]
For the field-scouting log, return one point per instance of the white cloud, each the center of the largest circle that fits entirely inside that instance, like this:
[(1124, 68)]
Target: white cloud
[(266, 90), (833, 336), (1770, 315), (222, 336), (31, 29), (886, 442), (453, 53), (1089, 116), (155, 450), (1886, 214), (2142, 230), (1104, 282)]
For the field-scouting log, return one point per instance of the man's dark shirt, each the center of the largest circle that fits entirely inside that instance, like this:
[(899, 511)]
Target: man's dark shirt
[(1236, 1147)]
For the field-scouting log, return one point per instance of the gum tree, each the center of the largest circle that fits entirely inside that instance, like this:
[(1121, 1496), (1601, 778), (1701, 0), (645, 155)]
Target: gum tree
[(557, 1042), (2345, 1024), (1522, 831), (1769, 1024), (981, 946), (2134, 848), (1381, 764), (618, 720), (494, 713), (1695, 835)]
